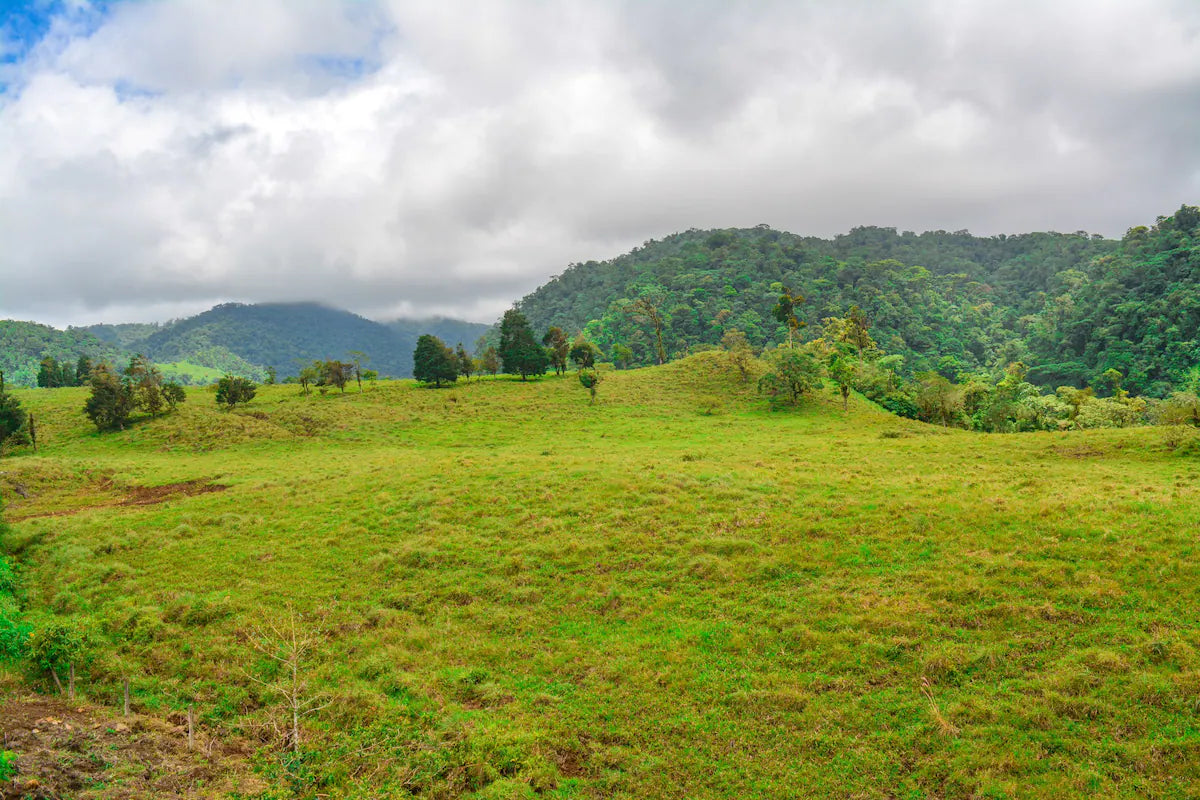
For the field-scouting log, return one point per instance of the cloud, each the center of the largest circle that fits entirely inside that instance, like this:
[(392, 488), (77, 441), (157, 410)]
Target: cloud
[(411, 158)]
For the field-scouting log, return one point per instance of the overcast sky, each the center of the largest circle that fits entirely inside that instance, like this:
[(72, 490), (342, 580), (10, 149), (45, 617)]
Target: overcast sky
[(415, 158)]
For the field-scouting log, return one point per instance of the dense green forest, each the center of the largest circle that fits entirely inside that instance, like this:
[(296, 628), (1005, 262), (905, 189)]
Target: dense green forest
[(1069, 306), (23, 345)]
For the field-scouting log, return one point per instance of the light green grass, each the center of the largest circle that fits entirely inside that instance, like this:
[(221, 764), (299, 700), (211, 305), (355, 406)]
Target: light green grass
[(672, 593)]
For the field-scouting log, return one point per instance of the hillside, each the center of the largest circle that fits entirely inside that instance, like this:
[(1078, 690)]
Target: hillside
[(1069, 305), (24, 344), (675, 592)]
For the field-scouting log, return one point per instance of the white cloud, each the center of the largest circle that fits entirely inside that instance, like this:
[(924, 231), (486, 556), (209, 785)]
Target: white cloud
[(399, 157)]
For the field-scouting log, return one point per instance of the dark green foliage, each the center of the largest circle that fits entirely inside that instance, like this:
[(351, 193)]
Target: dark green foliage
[(792, 374), (334, 373), (929, 297), (52, 374), (589, 379), (23, 346), (520, 354), (434, 362), (145, 382), (583, 353), (557, 348), (173, 394), (12, 416), (111, 402), (232, 390), (464, 362)]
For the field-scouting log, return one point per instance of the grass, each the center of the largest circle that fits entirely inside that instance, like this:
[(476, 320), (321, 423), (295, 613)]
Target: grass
[(672, 593)]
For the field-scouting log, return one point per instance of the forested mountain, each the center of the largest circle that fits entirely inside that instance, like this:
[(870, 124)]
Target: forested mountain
[(1069, 305), (233, 338), (24, 344), (279, 335), (450, 331)]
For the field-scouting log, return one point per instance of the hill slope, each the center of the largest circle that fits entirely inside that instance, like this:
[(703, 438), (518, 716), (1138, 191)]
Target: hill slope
[(672, 593)]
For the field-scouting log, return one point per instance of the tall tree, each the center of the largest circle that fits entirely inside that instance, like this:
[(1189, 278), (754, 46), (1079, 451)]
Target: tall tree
[(557, 348), (646, 308), (785, 312), (464, 362), (583, 353), (144, 381), (490, 361), (519, 351), (433, 362)]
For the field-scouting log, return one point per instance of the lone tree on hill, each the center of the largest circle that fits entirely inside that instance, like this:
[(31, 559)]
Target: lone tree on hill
[(232, 390), (519, 351), (433, 362), (793, 372)]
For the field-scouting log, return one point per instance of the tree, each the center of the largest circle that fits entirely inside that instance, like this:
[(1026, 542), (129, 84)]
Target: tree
[(83, 370), (464, 362), (645, 309), (49, 375), (519, 352), (272, 376), (590, 379), (433, 362), (792, 374), (557, 348), (490, 361), (144, 382), (335, 373), (308, 376), (583, 353), (741, 356), (12, 416), (842, 370), (785, 312), (111, 402), (289, 645), (622, 355), (232, 390), (938, 398), (173, 394), (360, 358)]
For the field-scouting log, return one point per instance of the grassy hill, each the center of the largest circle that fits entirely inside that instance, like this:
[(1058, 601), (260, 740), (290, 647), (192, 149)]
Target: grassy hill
[(672, 593)]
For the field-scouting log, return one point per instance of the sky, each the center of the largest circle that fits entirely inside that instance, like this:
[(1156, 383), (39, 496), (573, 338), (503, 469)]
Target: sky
[(417, 158)]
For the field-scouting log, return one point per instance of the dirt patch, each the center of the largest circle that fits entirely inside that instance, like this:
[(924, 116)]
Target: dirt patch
[(80, 751), (133, 496), (149, 495)]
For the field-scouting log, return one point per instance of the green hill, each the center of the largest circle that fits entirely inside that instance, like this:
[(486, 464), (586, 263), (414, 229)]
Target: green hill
[(1068, 305), (509, 593), (24, 344)]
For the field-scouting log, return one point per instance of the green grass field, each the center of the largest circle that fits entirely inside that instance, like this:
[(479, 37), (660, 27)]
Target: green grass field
[(672, 593)]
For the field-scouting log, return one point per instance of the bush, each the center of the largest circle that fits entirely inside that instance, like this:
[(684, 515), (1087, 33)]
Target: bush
[(232, 390)]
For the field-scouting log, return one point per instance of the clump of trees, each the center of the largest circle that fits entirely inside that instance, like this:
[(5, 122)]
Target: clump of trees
[(52, 373), (232, 390), (116, 396)]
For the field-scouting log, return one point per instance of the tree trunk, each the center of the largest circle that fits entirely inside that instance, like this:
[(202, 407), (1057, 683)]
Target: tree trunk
[(57, 682)]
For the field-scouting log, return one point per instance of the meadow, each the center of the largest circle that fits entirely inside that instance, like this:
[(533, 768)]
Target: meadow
[(675, 592)]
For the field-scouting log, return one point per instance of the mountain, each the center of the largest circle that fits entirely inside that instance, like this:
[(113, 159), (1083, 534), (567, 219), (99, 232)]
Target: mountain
[(450, 331), (24, 344), (1069, 305), (238, 337)]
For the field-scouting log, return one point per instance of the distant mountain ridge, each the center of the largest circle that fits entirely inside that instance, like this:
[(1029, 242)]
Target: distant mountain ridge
[(239, 338)]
